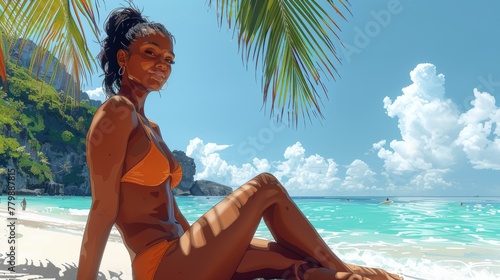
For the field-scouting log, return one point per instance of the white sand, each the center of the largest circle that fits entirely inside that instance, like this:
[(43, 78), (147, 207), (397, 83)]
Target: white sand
[(37, 242)]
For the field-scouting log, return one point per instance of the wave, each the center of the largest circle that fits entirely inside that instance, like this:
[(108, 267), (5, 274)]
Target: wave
[(79, 212), (425, 268)]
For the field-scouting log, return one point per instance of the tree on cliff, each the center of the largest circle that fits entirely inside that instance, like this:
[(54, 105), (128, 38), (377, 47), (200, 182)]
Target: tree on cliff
[(289, 39)]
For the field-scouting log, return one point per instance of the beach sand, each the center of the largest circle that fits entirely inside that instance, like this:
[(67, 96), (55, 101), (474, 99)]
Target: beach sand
[(46, 250)]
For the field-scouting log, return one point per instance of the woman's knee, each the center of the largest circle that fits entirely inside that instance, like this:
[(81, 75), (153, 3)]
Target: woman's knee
[(268, 181)]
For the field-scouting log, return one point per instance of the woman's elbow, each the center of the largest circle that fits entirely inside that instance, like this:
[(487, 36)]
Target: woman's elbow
[(105, 212)]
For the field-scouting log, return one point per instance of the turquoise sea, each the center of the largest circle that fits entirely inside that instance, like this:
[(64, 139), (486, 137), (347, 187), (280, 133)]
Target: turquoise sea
[(420, 237)]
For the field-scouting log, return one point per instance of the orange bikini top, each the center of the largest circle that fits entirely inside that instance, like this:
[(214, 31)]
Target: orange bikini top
[(154, 168)]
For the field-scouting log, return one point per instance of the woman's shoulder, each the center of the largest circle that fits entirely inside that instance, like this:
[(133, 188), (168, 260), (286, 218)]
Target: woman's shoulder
[(117, 110), (117, 101), (116, 117), (117, 105)]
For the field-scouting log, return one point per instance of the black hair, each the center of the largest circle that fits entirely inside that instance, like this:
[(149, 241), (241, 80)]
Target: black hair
[(123, 26)]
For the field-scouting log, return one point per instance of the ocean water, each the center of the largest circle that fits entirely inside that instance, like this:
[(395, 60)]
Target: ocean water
[(419, 237)]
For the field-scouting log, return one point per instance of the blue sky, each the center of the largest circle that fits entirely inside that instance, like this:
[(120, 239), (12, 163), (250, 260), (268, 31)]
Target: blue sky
[(413, 112)]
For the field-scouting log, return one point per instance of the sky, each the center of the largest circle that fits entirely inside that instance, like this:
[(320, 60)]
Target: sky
[(413, 111)]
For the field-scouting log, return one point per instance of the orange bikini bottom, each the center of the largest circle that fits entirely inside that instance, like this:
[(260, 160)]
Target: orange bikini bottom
[(146, 263)]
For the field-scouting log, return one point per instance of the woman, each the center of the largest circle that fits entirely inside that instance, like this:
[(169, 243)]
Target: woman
[(132, 173)]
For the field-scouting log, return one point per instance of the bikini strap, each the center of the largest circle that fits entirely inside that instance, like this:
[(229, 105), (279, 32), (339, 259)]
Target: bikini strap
[(144, 126)]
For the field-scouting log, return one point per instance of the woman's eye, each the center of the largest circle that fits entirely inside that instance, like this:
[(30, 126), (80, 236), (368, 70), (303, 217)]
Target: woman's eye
[(169, 61), (150, 53)]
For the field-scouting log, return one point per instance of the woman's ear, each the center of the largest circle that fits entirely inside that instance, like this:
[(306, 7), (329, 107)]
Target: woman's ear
[(122, 56)]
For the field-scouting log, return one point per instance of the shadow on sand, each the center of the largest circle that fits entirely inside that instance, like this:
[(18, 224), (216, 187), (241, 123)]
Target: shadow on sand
[(31, 270)]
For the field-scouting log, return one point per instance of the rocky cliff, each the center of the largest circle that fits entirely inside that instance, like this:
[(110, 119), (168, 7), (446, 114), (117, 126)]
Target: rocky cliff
[(209, 188), (188, 186)]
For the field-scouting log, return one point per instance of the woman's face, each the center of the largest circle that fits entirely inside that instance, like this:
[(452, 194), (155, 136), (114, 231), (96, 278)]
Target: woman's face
[(150, 60)]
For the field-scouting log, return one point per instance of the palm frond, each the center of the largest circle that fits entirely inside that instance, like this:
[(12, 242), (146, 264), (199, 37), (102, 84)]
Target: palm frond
[(291, 39), (3, 69), (52, 26)]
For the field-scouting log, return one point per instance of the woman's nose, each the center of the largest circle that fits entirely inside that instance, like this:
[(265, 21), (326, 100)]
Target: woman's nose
[(161, 65)]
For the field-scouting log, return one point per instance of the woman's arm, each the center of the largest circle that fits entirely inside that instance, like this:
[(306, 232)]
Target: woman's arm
[(106, 147)]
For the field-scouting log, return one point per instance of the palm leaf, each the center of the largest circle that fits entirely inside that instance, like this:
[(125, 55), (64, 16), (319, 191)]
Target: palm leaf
[(291, 40), (52, 26), (3, 69)]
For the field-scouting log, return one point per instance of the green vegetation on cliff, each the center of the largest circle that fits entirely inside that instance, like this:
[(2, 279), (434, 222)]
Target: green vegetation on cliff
[(32, 113)]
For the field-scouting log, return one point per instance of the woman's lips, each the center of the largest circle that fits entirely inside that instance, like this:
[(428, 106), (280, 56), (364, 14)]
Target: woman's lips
[(159, 76)]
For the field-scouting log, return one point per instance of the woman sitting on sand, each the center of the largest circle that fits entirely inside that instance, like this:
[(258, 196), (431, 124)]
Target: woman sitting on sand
[(132, 173)]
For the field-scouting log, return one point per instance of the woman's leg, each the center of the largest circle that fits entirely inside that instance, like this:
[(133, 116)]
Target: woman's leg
[(215, 245), (267, 259), (271, 260)]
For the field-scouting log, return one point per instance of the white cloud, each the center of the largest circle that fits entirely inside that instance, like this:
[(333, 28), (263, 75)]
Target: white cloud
[(429, 179), (435, 136), (359, 177), (293, 155), (195, 148), (480, 137), (378, 145), (211, 166), (96, 94), (428, 126), (306, 175), (298, 173), (212, 148), (427, 122)]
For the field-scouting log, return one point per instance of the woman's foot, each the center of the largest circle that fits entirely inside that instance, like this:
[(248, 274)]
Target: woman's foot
[(313, 271)]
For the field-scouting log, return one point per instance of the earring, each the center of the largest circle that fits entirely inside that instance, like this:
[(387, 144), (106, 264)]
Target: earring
[(121, 70), (165, 87)]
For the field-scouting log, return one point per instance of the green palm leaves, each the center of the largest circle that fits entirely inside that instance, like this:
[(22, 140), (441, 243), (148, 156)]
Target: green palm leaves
[(55, 26), (291, 39)]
